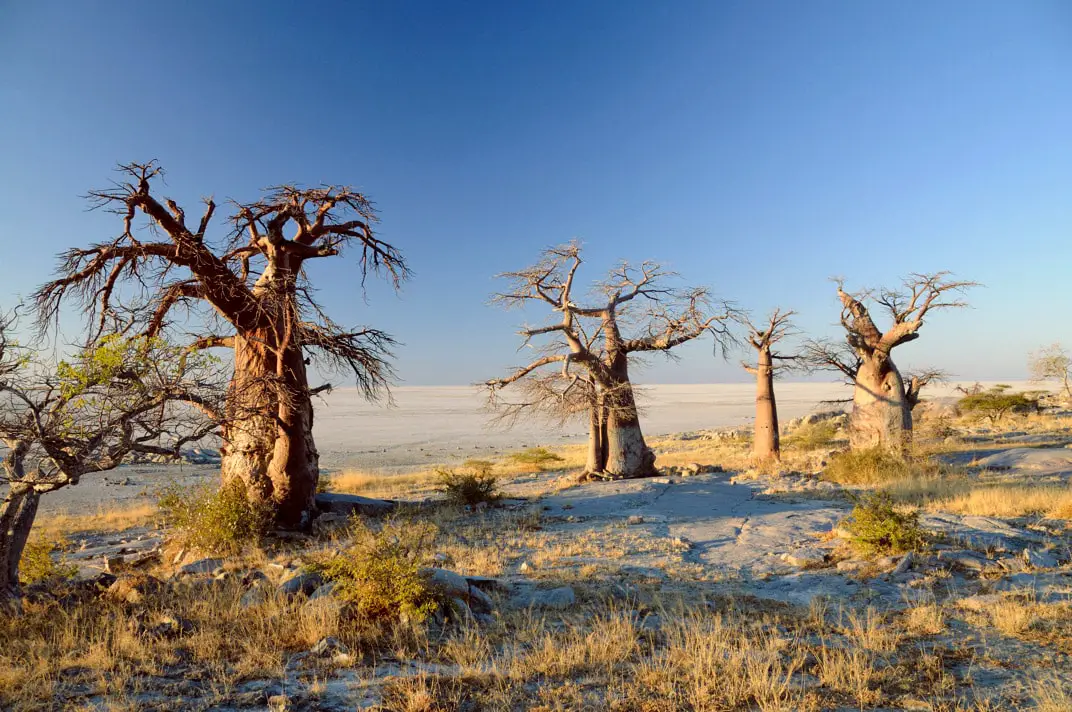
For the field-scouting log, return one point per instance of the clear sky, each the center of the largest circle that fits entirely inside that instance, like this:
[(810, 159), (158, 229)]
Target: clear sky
[(755, 147)]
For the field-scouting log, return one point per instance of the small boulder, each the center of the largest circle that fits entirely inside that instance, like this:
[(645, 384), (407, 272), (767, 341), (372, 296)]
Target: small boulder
[(449, 582), (329, 646), (348, 504), (805, 558), (634, 519), (556, 598), (201, 566), (963, 559), (303, 583)]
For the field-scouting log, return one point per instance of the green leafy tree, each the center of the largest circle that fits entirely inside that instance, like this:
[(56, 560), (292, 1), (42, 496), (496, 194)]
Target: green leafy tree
[(60, 422), (997, 402)]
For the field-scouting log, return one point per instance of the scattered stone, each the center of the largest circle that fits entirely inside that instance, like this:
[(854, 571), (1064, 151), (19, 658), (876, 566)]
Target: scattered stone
[(1039, 559), (325, 591), (328, 646), (851, 565), (906, 563), (303, 583), (805, 557), (555, 598), (963, 559), (526, 567), (449, 582), (201, 566), (329, 522), (634, 519)]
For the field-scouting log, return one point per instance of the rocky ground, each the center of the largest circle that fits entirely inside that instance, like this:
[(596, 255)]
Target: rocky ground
[(710, 587)]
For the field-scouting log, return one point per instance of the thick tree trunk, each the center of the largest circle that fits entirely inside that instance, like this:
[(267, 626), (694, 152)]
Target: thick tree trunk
[(627, 455), (881, 416), (17, 514), (269, 443), (765, 442)]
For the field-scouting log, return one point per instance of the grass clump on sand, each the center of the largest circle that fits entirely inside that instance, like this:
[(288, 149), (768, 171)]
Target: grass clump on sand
[(221, 521), (812, 436), (539, 457), (380, 575), (37, 564), (879, 528), (875, 466), (477, 485)]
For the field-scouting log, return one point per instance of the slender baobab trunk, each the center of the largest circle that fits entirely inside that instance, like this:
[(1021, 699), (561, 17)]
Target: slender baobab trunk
[(881, 415), (627, 455), (765, 442)]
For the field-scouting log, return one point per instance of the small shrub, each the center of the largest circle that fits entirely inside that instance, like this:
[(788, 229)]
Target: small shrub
[(540, 457), (812, 436), (37, 564), (218, 521), (878, 528), (472, 487), (871, 466), (380, 573)]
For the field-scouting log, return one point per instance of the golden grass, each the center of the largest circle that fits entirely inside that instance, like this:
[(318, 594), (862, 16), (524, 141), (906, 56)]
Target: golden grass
[(960, 495), (104, 520), (378, 484)]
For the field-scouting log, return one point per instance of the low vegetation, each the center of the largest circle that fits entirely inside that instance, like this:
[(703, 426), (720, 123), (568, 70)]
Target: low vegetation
[(476, 484), (379, 573), (42, 562), (812, 436), (539, 457), (997, 402), (875, 465), (219, 521), (880, 527)]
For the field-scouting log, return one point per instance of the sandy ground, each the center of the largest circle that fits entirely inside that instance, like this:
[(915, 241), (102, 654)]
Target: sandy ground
[(434, 425)]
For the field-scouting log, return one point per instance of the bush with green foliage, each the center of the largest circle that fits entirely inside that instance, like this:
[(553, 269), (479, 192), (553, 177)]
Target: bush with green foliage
[(877, 527), (38, 565), (997, 402), (221, 521), (540, 457), (379, 574), (475, 485)]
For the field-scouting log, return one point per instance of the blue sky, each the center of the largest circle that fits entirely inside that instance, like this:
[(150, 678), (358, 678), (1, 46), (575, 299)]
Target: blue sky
[(755, 147)]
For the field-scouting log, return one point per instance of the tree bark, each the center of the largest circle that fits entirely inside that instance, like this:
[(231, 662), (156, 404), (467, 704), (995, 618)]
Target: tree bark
[(17, 514), (765, 441), (627, 455), (881, 416), (269, 436), (596, 450)]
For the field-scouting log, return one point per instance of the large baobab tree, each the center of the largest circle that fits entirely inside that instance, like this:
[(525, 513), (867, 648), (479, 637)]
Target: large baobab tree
[(593, 339), (765, 440), (61, 422), (882, 403), (256, 300)]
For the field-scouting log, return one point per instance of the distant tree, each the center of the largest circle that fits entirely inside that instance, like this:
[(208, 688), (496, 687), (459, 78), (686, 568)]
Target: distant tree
[(254, 284), (592, 338), (119, 396), (1053, 363), (997, 402), (765, 441), (882, 403)]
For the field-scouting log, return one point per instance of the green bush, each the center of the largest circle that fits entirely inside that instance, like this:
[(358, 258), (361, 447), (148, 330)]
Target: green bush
[(812, 436), (380, 573), (995, 403), (540, 457), (874, 465), (219, 521), (37, 565), (878, 528), (472, 487)]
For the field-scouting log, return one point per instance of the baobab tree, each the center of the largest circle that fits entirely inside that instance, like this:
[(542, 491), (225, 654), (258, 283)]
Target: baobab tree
[(119, 396), (592, 338), (765, 439), (1053, 362), (259, 304), (882, 404)]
